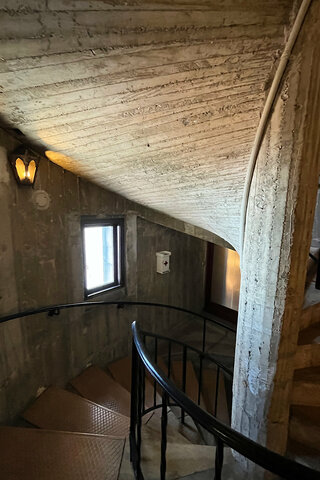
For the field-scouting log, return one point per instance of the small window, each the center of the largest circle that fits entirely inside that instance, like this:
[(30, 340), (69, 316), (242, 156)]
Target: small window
[(103, 254)]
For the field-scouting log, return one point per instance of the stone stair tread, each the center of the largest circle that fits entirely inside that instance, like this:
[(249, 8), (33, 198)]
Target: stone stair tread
[(310, 315), (96, 385), (304, 426), (306, 387), (33, 454), (310, 334), (310, 374), (307, 356), (303, 454), (182, 460), (188, 429), (310, 414), (152, 430), (57, 409)]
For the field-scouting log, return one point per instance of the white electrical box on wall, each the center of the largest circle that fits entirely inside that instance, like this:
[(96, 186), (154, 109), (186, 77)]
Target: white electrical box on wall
[(163, 261)]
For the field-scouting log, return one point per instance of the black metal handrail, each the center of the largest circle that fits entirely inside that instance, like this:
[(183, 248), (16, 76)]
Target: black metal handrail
[(224, 435), (55, 310), (201, 354)]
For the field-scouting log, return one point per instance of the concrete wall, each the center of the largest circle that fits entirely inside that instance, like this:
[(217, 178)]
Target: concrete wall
[(41, 264), (183, 286), (187, 255)]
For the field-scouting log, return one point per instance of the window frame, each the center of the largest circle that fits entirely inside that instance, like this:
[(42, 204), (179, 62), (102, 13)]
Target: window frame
[(118, 253), (221, 311)]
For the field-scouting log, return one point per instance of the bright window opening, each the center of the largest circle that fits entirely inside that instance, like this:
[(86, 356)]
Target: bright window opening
[(103, 258)]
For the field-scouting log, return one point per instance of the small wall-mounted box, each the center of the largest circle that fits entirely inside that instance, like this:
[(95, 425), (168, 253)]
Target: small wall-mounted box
[(163, 261)]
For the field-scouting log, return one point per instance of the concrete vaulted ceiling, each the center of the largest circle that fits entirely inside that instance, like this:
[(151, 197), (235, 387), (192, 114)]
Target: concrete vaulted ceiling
[(157, 100)]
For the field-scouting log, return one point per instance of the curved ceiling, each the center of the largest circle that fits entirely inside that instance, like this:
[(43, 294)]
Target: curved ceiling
[(156, 100)]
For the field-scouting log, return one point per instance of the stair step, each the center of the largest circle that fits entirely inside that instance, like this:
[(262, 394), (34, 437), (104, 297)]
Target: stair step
[(32, 454), (57, 409), (192, 385), (231, 469), (121, 373), (303, 454), (181, 459), (304, 426), (306, 387), (310, 334), (151, 432), (189, 429), (209, 383), (95, 385), (309, 316), (307, 356)]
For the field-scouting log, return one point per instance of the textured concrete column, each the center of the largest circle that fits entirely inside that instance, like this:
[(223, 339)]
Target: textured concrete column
[(279, 226)]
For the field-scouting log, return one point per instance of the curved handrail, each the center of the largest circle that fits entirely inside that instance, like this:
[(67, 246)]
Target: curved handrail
[(56, 308), (201, 354), (260, 455)]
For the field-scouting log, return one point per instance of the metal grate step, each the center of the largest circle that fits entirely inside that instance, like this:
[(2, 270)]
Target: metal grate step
[(95, 385), (32, 454), (57, 409), (121, 372)]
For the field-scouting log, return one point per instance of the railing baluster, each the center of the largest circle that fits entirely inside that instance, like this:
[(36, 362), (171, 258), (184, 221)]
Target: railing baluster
[(164, 422), (139, 420), (219, 459), (200, 380), (143, 383), (155, 361), (204, 334), (318, 274), (184, 377), (217, 391), (169, 359), (281, 466), (133, 415)]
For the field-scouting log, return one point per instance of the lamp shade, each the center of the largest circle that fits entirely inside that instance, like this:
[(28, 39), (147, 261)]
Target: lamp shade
[(25, 165)]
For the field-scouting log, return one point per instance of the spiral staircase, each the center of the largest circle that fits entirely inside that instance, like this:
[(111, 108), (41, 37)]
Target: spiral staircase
[(304, 428), (163, 413), (81, 432)]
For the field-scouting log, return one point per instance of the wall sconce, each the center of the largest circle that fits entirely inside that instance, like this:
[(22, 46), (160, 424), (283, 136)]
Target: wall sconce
[(25, 165)]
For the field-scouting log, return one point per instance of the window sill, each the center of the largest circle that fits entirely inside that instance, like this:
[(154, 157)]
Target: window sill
[(113, 293)]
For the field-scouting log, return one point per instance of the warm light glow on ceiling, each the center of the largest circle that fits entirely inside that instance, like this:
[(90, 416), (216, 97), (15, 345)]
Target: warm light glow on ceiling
[(59, 158)]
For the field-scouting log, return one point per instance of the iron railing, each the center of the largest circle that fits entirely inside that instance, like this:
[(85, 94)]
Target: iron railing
[(171, 395), (144, 361)]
